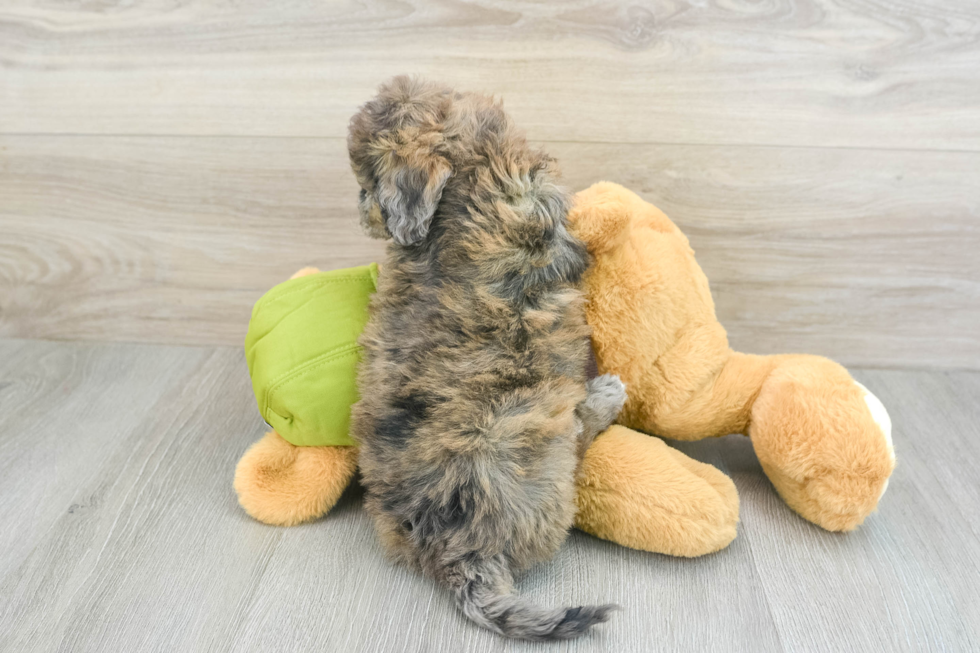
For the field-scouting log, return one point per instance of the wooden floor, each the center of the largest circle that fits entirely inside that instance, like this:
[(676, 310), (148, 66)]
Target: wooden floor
[(121, 533)]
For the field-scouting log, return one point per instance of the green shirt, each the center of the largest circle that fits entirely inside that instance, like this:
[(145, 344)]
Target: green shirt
[(302, 353)]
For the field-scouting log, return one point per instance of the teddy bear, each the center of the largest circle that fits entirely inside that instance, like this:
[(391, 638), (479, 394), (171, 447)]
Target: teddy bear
[(823, 440)]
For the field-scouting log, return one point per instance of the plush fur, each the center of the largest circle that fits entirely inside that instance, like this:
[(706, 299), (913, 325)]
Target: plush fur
[(475, 409), (654, 325), (282, 484), (638, 492)]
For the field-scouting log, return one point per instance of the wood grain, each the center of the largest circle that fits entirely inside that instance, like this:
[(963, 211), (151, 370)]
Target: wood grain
[(118, 476), (863, 255), (64, 411), (140, 560), (165, 240), (852, 73)]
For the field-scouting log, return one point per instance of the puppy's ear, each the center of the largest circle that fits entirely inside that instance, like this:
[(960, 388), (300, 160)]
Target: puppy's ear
[(395, 143), (408, 190)]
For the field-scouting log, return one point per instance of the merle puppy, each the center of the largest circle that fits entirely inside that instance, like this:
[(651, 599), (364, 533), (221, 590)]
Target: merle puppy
[(474, 410)]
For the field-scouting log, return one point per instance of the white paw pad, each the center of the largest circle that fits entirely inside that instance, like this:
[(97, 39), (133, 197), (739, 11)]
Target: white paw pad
[(882, 419)]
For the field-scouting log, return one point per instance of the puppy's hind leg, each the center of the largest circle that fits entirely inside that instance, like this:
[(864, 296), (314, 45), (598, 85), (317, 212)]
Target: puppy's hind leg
[(605, 397)]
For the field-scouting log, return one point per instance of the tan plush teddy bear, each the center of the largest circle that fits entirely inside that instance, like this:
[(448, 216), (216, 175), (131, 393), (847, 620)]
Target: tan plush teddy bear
[(823, 440)]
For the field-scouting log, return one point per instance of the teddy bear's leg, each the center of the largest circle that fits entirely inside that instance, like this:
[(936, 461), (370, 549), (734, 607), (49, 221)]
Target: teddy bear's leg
[(636, 491), (813, 427), (282, 484), (823, 440), (705, 390)]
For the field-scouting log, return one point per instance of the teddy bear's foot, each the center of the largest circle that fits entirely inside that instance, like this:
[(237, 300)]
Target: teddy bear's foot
[(884, 422), (824, 441), (281, 484), (638, 492)]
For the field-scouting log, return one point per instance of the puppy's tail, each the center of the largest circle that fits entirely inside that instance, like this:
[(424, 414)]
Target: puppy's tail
[(483, 591)]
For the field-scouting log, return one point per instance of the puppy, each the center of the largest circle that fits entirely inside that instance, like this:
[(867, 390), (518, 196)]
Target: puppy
[(474, 410)]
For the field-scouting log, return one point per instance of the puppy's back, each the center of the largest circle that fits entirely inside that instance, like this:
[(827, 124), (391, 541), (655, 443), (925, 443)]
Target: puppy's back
[(474, 353)]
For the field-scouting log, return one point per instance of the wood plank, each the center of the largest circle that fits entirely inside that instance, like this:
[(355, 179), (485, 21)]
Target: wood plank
[(155, 553), (165, 240), (63, 411), (890, 74), (843, 252)]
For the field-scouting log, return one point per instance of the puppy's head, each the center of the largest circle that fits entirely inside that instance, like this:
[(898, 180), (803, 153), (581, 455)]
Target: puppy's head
[(397, 153)]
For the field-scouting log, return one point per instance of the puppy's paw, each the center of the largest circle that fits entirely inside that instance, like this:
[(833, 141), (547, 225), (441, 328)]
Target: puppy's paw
[(606, 395)]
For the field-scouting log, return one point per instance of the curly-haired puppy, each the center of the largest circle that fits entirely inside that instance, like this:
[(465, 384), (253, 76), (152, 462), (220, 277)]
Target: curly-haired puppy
[(475, 409)]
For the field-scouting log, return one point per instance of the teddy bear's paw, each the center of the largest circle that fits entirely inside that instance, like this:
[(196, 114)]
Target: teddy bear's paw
[(606, 395), (281, 484), (833, 499), (823, 441), (884, 421)]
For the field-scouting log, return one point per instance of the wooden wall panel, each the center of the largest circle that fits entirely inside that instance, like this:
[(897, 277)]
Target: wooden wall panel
[(162, 164), (865, 255), (850, 73)]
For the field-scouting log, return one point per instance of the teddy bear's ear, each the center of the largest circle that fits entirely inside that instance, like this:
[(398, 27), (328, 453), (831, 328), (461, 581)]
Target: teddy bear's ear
[(600, 216)]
